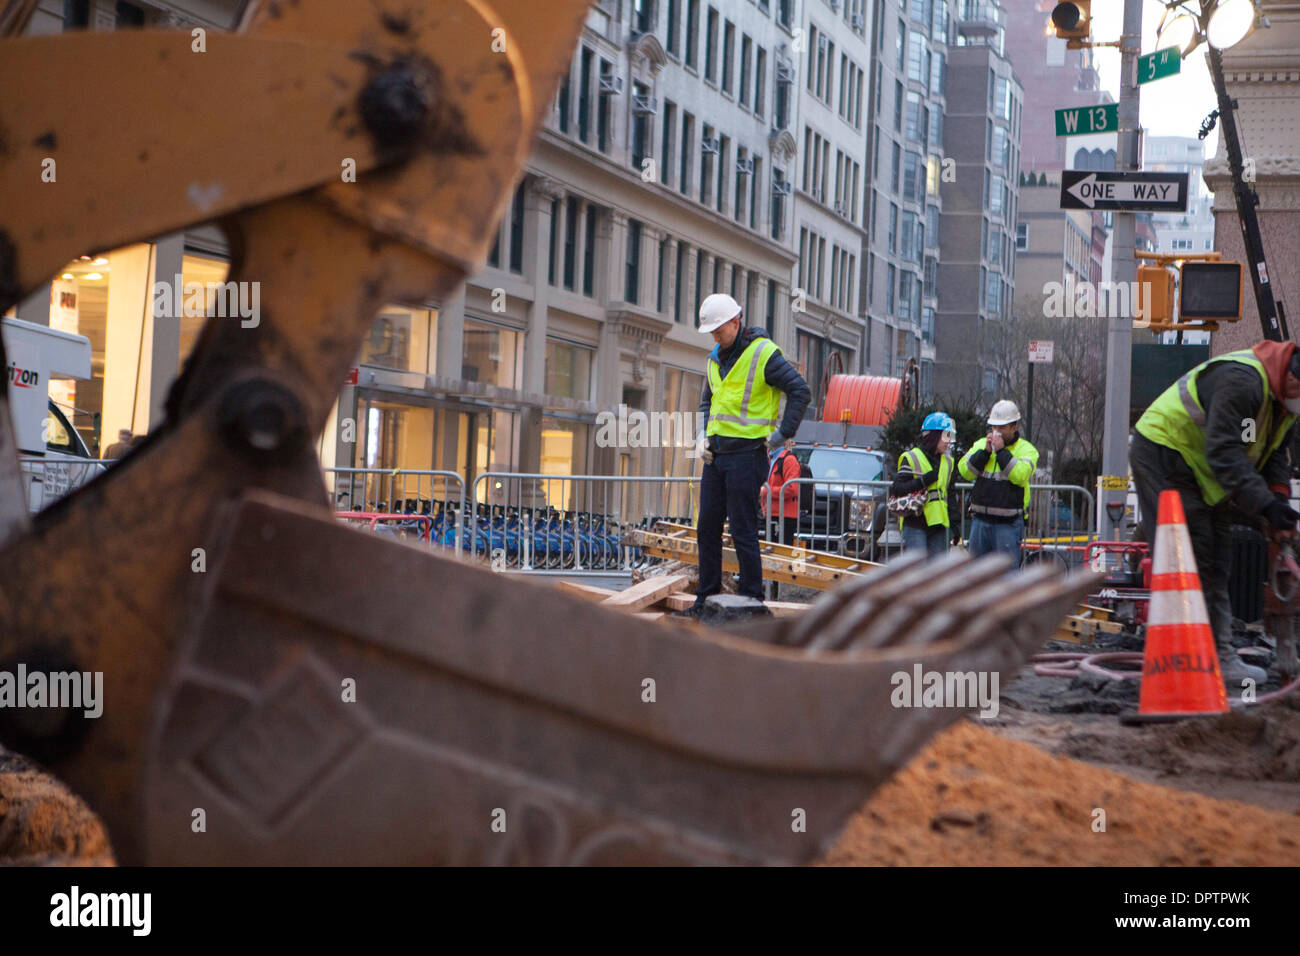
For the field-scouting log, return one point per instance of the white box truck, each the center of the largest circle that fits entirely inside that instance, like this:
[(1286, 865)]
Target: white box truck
[(54, 457)]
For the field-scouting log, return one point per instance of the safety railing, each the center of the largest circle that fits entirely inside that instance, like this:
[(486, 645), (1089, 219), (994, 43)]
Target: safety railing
[(425, 506), (45, 480), (851, 518), (564, 524)]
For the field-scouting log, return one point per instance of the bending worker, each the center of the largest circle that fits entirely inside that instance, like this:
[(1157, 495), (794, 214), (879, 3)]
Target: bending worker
[(1218, 435), (1001, 465), (927, 468), (746, 374)]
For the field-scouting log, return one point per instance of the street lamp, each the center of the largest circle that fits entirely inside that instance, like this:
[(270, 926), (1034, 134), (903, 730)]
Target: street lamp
[(1221, 24)]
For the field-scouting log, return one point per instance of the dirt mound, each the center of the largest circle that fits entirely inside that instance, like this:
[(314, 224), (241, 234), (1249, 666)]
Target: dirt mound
[(974, 798), (42, 823)]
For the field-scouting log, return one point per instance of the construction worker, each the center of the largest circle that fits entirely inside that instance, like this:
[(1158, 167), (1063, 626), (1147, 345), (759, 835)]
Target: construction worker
[(746, 374), (782, 502), (927, 468), (1218, 437), (1001, 465)]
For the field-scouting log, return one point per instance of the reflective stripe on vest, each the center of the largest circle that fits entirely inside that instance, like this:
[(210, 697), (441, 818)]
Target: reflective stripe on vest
[(993, 473), (748, 407), (1177, 420), (936, 501)]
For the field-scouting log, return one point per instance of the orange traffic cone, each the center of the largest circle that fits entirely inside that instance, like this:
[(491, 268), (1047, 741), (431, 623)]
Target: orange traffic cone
[(1180, 667)]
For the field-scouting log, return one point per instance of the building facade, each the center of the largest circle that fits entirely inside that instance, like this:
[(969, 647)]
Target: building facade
[(909, 85), (976, 268), (829, 227)]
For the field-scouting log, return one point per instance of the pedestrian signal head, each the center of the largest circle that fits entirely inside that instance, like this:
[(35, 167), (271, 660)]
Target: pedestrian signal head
[(717, 310)]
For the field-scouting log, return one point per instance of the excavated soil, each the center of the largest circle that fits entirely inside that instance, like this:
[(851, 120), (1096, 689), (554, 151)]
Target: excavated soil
[(42, 823), (975, 798)]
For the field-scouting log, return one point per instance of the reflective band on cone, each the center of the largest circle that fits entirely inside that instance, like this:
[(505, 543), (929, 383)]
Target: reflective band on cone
[(1180, 667)]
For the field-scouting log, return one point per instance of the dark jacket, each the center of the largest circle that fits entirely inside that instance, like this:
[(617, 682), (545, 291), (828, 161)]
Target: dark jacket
[(905, 483), (1230, 393), (779, 374)]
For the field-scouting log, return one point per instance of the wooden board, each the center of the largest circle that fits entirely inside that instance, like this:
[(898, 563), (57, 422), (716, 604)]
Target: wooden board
[(585, 591), (677, 602), (644, 594), (649, 615)]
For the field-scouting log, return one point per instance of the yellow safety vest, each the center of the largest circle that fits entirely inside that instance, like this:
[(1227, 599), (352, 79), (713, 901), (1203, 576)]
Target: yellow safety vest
[(743, 404), (995, 492), (936, 495), (1177, 420)]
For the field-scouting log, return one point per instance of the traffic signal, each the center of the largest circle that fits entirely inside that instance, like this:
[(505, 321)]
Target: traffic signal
[(1210, 290), (1157, 295), (1073, 21)]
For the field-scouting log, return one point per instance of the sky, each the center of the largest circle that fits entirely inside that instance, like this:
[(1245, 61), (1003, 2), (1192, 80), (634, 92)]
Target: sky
[(1174, 106)]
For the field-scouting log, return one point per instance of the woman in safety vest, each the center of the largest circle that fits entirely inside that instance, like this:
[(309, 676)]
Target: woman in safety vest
[(927, 468)]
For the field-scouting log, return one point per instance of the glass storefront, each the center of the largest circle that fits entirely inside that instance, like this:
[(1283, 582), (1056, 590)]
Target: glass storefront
[(492, 355), (403, 339)]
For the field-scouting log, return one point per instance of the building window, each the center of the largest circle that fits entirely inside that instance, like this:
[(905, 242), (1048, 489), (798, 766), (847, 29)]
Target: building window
[(554, 241), (769, 320), (641, 129), (724, 161), (710, 47), (893, 228), (632, 275), (679, 288), (491, 355), (674, 27), (661, 278), (589, 252), (562, 103), (688, 141), (728, 56), (692, 32), (760, 82), (643, 16), (746, 63), (570, 241), (708, 153), (517, 229), (670, 143), (568, 370), (895, 163), (584, 96)]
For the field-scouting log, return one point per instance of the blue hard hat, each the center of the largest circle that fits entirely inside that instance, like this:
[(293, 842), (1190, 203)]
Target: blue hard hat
[(938, 422)]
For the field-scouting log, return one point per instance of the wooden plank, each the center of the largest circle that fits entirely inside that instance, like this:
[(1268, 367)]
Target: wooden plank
[(677, 602), (649, 615), (1093, 611), (642, 595), (787, 608), (585, 591)]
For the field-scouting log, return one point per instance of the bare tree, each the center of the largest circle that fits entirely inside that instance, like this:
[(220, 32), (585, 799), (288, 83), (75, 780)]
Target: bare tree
[(1068, 414)]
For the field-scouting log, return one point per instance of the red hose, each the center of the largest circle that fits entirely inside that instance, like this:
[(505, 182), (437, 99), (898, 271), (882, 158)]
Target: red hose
[(1072, 664)]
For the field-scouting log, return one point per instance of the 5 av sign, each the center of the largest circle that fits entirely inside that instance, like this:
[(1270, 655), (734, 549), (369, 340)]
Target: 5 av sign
[(1134, 192)]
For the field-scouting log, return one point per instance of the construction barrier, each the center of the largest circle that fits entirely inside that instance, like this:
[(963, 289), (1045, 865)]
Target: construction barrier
[(428, 506), (849, 517)]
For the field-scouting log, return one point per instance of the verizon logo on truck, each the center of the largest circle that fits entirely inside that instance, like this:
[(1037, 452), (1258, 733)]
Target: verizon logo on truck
[(23, 377)]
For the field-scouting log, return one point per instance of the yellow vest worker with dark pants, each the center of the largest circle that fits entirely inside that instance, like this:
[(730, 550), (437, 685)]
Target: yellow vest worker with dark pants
[(1001, 464), (1218, 436), (742, 398)]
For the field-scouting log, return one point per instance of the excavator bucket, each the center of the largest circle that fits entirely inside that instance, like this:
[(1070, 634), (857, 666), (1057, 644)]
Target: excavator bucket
[(324, 696)]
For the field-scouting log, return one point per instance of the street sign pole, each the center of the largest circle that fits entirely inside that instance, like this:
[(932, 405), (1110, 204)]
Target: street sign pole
[(1119, 341), (1029, 404)]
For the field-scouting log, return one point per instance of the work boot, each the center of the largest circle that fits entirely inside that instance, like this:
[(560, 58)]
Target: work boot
[(1235, 670), (694, 611)]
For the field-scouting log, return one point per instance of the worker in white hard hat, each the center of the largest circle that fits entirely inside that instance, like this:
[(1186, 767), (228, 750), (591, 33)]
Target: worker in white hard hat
[(1001, 465), (741, 403)]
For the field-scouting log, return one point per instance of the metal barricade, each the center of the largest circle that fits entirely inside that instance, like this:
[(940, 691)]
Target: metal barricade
[(45, 480), (846, 517), (434, 500), (564, 524), (851, 518)]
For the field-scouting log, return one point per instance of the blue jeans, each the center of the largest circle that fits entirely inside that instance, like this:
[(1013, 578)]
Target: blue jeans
[(991, 536), (729, 491), (932, 540)]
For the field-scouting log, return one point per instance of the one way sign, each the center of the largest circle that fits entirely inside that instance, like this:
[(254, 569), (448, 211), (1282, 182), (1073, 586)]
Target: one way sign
[(1132, 192)]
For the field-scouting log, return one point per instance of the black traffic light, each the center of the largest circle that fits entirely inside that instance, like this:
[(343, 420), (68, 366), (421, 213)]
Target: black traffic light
[(1073, 21)]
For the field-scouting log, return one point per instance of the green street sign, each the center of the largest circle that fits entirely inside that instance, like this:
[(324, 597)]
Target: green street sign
[(1158, 65), (1082, 120)]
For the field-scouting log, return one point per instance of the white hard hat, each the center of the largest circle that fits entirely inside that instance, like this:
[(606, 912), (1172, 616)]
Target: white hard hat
[(717, 310), (1004, 413)]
